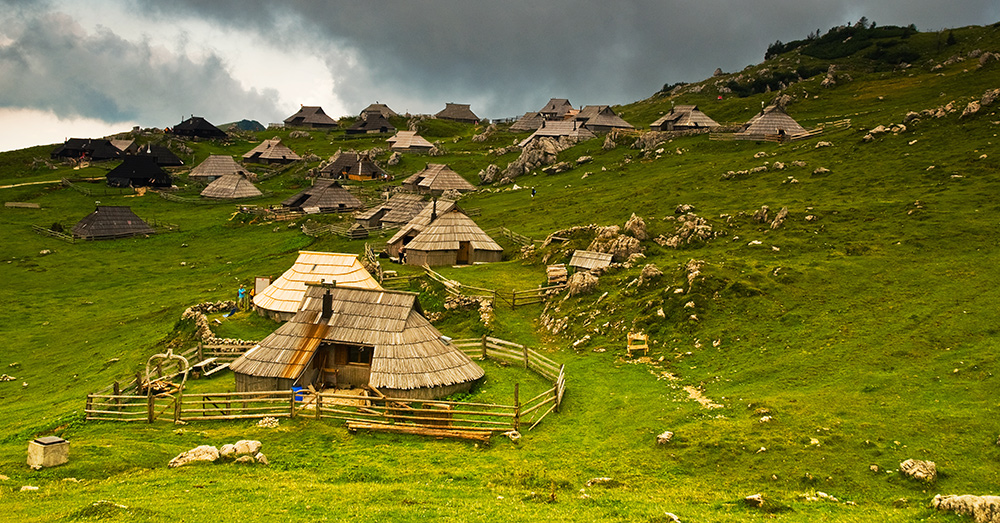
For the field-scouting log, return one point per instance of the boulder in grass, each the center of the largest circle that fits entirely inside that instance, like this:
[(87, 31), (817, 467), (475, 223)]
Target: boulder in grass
[(201, 453), (919, 469)]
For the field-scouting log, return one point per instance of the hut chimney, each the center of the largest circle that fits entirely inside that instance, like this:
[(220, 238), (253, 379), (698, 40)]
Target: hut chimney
[(434, 210), (327, 305)]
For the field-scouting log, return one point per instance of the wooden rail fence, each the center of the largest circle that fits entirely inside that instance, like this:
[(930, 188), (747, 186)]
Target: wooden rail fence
[(517, 298), (103, 191), (45, 231), (373, 411), (519, 239)]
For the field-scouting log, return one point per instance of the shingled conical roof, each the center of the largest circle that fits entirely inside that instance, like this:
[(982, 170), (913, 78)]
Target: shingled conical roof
[(324, 196), (311, 116), (436, 179), (283, 296), (231, 187), (216, 166), (772, 121)]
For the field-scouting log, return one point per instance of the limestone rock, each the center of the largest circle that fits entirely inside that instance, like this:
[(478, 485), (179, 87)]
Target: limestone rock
[(619, 245), (581, 283), (490, 174), (983, 509), (395, 158), (989, 97), (823, 144), (649, 273), (664, 437), (762, 215), (636, 227), (539, 152), (201, 453), (970, 109), (754, 500), (919, 469), (584, 159), (779, 219), (557, 168), (609, 143), (261, 459)]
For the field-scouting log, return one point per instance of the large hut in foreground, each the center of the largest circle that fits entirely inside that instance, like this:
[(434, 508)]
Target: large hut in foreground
[(109, 222), (280, 300), (452, 239), (772, 123), (343, 337)]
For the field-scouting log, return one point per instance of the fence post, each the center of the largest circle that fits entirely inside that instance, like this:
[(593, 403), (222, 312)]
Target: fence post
[(150, 405), (178, 401), (525, 347), (319, 404), (90, 405), (201, 355), (116, 389), (484, 347), (517, 409), (292, 405)]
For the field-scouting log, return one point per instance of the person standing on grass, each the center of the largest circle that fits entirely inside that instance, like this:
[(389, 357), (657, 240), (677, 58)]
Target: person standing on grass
[(532, 192), (241, 297)]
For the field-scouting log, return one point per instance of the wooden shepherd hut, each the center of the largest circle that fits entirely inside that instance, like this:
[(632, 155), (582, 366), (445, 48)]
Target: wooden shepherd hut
[(601, 119), (311, 116), (216, 166), (109, 222), (87, 148), (280, 300), (457, 113), (271, 151), (428, 213), (345, 337), (557, 109), (352, 166), (161, 153), (435, 179), (138, 171), (371, 123), (409, 141), (381, 109), (231, 187), (531, 121), (198, 127), (570, 129), (683, 118), (324, 196), (452, 239), (772, 123), (395, 212)]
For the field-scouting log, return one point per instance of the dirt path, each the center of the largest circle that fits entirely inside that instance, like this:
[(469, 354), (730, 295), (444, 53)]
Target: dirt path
[(29, 183)]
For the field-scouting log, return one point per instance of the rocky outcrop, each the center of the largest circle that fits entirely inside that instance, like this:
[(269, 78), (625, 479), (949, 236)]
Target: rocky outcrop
[(242, 447), (691, 228), (490, 174), (649, 274), (636, 227), (538, 152), (582, 282), (982, 509), (486, 134), (610, 240)]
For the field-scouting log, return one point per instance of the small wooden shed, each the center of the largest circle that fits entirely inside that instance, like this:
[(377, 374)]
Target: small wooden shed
[(601, 119), (395, 212), (457, 113), (772, 123), (452, 239), (281, 299), (346, 337), (557, 109), (586, 260), (409, 141), (352, 165), (571, 129), (371, 123), (531, 121)]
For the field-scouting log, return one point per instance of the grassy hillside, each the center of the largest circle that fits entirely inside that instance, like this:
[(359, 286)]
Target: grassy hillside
[(863, 327)]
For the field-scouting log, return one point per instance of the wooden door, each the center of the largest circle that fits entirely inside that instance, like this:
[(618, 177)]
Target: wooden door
[(464, 253)]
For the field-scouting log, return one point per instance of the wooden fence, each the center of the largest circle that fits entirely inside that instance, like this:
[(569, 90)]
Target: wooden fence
[(45, 231), (372, 411), (517, 298), (343, 230), (519, 239), (170, 197)]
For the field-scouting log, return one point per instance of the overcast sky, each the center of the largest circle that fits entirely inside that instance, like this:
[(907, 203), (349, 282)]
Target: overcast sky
[(82, 69)]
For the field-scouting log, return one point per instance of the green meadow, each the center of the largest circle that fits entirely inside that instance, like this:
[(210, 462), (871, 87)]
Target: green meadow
[(864, 328)]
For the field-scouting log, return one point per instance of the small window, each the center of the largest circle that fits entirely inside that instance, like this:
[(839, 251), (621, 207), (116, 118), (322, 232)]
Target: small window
[(359, 355)]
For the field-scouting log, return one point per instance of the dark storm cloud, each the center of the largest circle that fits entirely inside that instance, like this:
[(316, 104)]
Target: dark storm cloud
[(49, 62), (511, 56)]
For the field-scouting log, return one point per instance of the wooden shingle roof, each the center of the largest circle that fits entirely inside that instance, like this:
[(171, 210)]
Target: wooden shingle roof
[(685, 117), (408, 352), (557, 129), (590, 260), (271, 150), (325, 195), (231, 187), (445, 233), (531, 121), (457, 112), (602, 118), (438, 178), (371, 123), (399, 209), (111, 222), (382, 109), (286, 292), (772, 121), (162, 154), (310, 116), (352, 164), (423, 218), (408, 141), (215, 166), (556, 109), (198, 126)]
